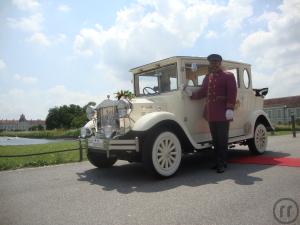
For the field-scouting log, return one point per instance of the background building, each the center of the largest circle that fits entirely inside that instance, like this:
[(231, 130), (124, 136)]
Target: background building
[(280, 110), (21, 124)]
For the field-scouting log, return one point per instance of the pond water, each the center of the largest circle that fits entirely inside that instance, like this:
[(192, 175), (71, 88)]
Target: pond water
[(24, 141)]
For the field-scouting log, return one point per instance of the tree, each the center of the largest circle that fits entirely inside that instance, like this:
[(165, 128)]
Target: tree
[(79, 121), (89, 104), (37, 127), (53, 119), (66, 117)]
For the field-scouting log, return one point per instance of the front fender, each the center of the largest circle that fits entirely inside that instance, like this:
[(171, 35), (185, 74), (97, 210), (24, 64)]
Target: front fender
[(151, 119)]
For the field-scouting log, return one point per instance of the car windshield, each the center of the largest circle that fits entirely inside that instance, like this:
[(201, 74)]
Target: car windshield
[(156, 81)]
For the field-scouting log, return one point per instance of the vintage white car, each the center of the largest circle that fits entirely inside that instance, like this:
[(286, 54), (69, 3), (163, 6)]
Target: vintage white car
[(162, 123)]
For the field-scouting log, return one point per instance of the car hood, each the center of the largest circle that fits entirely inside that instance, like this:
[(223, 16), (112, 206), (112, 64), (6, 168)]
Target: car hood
[(143, 106)]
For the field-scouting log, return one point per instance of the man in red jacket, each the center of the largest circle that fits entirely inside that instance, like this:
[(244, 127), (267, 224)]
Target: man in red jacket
[(220, 90)]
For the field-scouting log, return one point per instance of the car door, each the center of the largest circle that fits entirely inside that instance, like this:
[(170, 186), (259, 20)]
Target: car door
[(193, 109), (249, 103), (236, 126)]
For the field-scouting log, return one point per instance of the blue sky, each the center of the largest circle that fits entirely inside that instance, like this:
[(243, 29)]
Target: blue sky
[(63, 52)]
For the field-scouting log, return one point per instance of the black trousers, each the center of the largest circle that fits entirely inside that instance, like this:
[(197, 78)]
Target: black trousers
[(219, 132)]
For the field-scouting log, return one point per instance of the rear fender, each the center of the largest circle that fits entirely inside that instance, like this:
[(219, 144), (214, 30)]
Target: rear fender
[(259, 116)]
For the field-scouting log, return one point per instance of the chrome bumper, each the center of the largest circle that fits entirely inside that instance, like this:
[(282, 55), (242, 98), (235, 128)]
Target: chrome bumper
[(113, 144)]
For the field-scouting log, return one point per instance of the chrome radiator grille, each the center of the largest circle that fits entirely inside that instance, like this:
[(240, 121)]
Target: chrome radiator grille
[(108, 116)]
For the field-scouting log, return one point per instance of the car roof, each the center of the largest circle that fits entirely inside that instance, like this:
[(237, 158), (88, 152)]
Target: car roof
[(174, 59)]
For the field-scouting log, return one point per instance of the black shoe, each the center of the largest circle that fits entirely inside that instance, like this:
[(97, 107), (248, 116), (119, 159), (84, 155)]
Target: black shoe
[(216, 167), (221, 169)]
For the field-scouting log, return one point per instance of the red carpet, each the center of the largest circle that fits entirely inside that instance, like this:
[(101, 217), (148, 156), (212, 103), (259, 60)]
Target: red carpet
[(268, 160)]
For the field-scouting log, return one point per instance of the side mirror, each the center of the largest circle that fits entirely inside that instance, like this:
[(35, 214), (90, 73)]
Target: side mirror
[(261, 92)]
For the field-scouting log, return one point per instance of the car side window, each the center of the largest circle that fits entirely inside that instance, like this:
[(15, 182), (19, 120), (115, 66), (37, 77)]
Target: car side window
[(236, 75), (173, 83), (246, 78), (197, 80), (195, 77), (200, 79), (168, 81)]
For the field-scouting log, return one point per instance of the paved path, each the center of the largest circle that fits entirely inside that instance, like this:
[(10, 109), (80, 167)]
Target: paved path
[(78, 193)]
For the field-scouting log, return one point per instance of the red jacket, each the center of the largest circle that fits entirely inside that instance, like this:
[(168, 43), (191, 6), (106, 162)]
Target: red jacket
[(220, 90)]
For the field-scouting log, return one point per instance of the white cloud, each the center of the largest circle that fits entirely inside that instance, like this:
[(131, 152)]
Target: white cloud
[(2, 64), (27, 5), (59, 38), (60, 95), (25, 79), (151, 30), (266, 16), (16, 92), (276, 50), (237, 11), (211, 34), (36, 102), (40, 38), (64, 8), (32, 23)]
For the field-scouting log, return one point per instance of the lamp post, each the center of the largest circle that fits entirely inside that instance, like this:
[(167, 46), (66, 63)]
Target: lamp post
[(284, 114), (293, 124)]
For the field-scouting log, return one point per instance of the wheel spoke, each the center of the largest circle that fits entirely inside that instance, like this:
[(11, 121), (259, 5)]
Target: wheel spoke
[(160, 146), (164, 163), (160, 159), (172, 158), (160, 150), (161, 163), (169, 162), (165, 144), (169, 143), (172, 149)]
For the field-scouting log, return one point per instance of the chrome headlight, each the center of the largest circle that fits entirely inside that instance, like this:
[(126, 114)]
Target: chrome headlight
[(90, 112), (85, 132), (124, 108), (108, 130)]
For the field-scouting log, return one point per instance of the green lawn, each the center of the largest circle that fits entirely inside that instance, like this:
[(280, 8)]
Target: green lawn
[(283, 132), (41, 160), (58, 133)]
